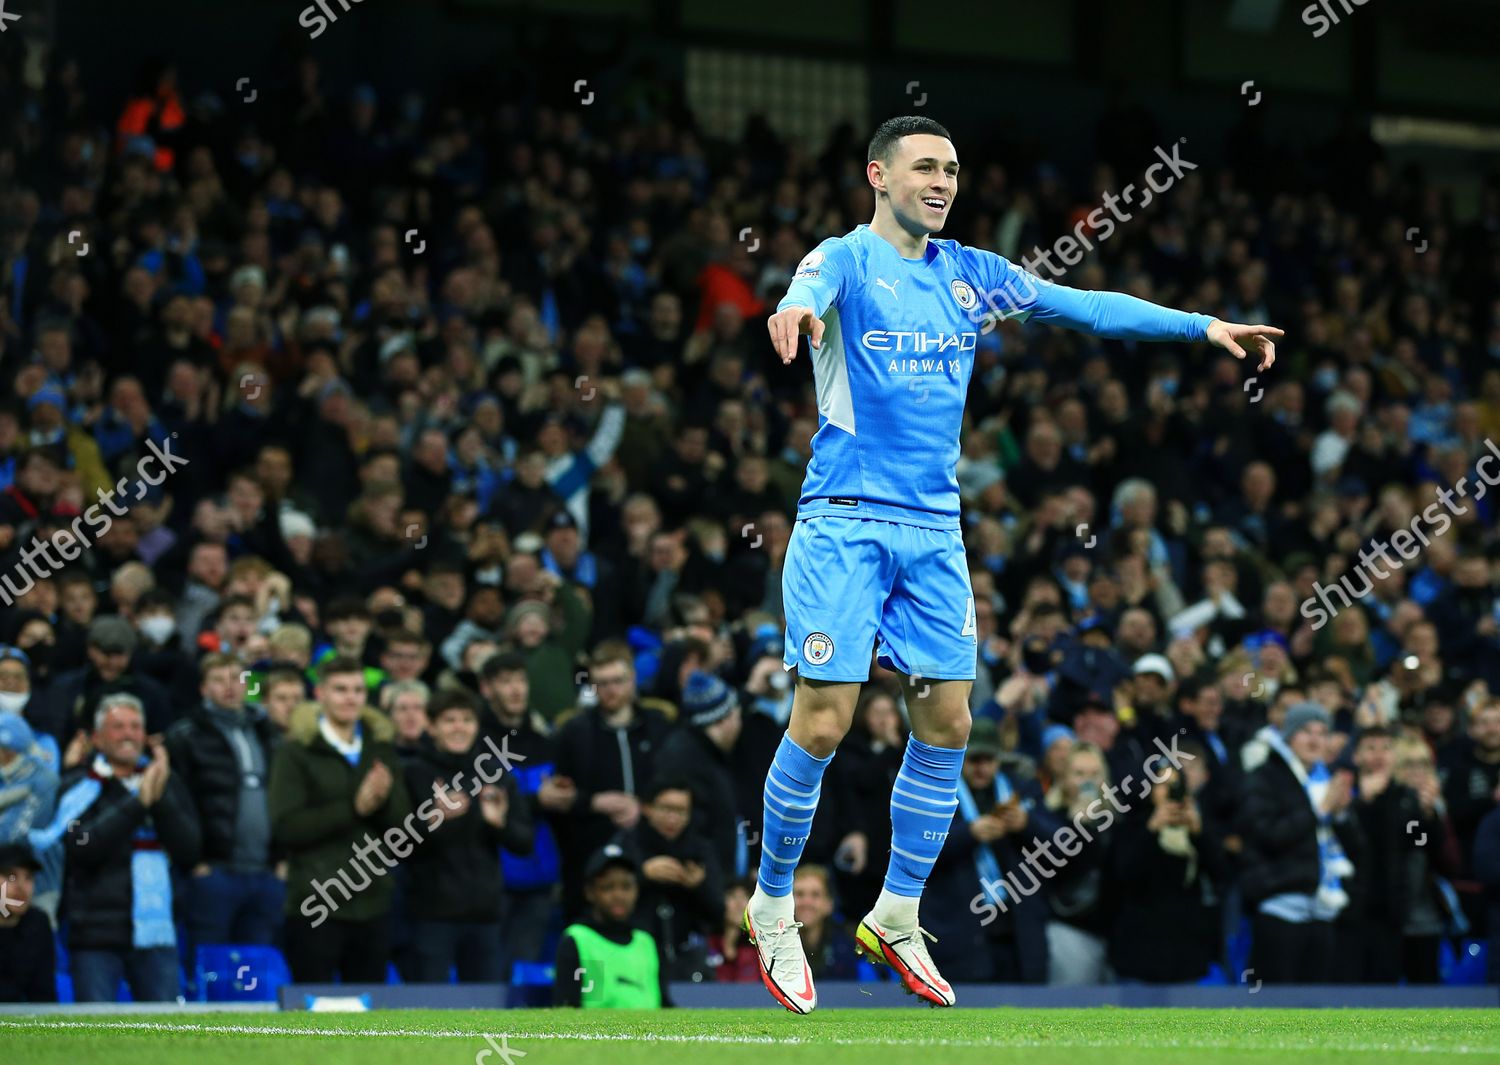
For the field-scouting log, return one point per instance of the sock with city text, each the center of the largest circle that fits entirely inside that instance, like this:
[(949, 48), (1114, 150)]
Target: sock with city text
[(923, 802), (791, 799)]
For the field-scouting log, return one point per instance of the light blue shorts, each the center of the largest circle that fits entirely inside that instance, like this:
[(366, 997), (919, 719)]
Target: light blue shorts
[(852, 585)]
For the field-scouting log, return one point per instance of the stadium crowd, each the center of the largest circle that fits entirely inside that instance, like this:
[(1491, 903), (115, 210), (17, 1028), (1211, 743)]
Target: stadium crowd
[(395, 493)]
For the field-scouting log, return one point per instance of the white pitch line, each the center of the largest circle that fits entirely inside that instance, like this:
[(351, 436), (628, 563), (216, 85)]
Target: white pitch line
[(731, 1040)]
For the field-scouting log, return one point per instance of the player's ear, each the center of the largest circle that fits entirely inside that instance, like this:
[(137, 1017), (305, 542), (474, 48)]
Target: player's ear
[(875, 172)]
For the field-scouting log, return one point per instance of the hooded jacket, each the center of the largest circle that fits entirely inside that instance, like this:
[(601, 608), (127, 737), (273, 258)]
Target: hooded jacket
[(314, 822)]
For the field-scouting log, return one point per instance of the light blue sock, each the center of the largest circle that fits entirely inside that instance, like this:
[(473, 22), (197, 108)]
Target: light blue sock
[(791, 798), (922, 806)]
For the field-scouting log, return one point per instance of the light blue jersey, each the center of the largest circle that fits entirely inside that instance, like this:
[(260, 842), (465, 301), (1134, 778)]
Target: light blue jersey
[(897, 354)]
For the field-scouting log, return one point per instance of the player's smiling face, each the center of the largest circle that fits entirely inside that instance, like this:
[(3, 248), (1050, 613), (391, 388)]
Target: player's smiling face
[(922, 180)]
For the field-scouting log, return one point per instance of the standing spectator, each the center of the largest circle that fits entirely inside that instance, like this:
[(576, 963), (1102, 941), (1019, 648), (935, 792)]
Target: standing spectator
[(609, 751), (335, 781), (111, 643), (222, 750), (699, 754), (455, 888), (1077, 895), (551, 649), (681, 886), (1301, 841), (532, 879), (979, 870), (124, 818), (869, 759), (1164, 868), (1471, 775), (27, 954)]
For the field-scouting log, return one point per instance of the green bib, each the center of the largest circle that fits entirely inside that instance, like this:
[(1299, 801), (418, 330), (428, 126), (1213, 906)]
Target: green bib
[(614, 976)]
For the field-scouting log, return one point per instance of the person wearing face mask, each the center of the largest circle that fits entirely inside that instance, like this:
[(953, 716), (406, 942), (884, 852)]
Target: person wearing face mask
[(15, 696), (28, 795), (159, 655)]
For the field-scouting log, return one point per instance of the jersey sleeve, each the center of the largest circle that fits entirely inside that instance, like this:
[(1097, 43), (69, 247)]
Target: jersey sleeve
[(820, 277), (1015, 293)]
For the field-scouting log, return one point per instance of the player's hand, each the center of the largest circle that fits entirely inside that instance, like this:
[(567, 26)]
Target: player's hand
[(786, 326), (1230, 336)]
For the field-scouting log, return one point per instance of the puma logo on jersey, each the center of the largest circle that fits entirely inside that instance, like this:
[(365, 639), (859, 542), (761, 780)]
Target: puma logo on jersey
[(889, 285)]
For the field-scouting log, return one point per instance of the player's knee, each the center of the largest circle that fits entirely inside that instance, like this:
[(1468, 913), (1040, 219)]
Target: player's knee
[(950, 729), (823, 733)]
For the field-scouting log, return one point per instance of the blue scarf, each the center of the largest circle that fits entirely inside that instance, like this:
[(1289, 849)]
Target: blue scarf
[(1333, 863), (985, 863), (150, 872)]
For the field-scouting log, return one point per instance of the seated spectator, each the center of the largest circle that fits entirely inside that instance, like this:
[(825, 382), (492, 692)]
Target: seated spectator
[(828, 942), (124, 818), (1301, 842), (681, 885), (222, 751), (603, 962), (27, 955), (336, 783), (455, 889), (734, 960)]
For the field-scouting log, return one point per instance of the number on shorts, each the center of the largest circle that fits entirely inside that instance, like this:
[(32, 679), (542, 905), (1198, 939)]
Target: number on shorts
[(969, 624)]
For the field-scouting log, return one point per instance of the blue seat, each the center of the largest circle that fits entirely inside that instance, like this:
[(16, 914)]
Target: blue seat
[(1468, 966), (231, 972), (530, 984)]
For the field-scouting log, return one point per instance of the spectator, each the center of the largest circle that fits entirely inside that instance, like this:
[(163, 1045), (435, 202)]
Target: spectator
[(222, 751), (1077, 894), (531, 880), (609, 751), (456, 889), (27, 957), (335, 782), (406, 703), (124, 818), (700, 754), (1301, 842), (681, 883), (612, 964), (829, 945), (111, 643), (1166, 866), (734, 960), (551, 650), (979, 873)]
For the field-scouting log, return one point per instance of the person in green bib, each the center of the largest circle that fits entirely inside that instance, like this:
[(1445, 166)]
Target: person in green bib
[(603, 962)]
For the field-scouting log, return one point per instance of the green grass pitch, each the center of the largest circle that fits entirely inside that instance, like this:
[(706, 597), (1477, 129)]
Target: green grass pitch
[(830, 1037)]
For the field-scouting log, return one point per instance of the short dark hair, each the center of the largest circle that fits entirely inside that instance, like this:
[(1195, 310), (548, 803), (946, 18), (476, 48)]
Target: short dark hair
[(345, 608), (453, 699), (661, 784), (893, 129), (340, 664), (502, 662)]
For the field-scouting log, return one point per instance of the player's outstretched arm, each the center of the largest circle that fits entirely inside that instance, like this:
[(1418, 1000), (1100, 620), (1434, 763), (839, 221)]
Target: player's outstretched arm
[(787, 325), (1234, 338)]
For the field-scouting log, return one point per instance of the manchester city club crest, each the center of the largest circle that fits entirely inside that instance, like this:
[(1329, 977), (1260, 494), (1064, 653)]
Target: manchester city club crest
[(817, 648), (964, 293)]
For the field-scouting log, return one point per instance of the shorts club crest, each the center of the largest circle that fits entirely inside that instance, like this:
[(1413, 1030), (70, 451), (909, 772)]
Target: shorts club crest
[(863, 585), (817, 648)]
